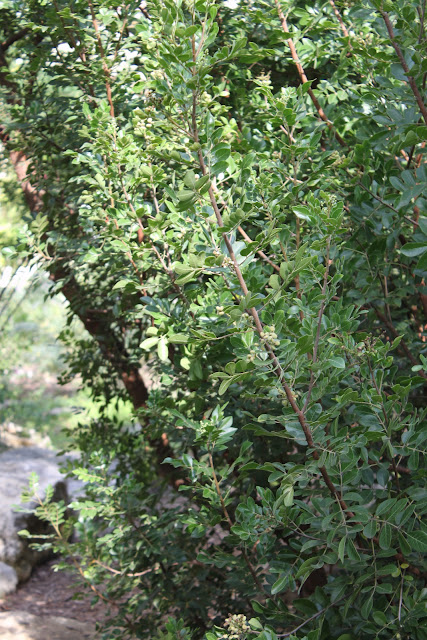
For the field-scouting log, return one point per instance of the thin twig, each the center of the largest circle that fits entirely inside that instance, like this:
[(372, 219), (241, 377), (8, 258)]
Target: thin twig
[(107, 72), (316, 615), (383, 202), (399, 611), (230, 523), (319, 325), (402, 343), (304, 78), (121, 573), (411, 80), (260, 253), (339, 18), (218, 490)]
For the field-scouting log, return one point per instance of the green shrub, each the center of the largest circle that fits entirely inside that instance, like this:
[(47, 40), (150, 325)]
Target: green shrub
[(235, 198)]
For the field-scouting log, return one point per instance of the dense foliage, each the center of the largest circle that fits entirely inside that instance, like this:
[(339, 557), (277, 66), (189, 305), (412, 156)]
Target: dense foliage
[(232, 196)]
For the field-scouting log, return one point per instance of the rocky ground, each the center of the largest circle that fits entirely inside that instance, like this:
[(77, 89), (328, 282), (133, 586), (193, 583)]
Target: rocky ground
[(20, 625), (34, 410), (43, 608)]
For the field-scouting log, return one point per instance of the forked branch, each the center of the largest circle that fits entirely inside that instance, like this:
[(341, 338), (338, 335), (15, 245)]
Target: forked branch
[(304, 78)]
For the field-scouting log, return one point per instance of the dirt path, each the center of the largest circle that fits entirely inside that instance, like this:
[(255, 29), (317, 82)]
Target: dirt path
[(50, 593)]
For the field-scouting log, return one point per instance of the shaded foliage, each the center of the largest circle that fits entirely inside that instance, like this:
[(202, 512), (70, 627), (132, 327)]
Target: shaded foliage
[(235, 197)]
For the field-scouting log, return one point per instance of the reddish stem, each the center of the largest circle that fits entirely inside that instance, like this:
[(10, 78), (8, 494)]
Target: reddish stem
[(304, 78)]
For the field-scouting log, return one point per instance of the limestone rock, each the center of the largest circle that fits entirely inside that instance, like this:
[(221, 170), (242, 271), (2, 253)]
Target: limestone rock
[(20, 625), (8, 579), (16, 465), (13, 435)]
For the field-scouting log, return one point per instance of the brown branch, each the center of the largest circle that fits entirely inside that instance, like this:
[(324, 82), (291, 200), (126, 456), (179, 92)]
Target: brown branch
[(248, 239), (14, 37), (121, 573), (107, 72), (304, 78), (21, 164), (288, 133), (144, 10), (419, 158), (260, 253), (276, 364), (404, 66), (96, 325), (339, 18), (254, 313), (403, 470)]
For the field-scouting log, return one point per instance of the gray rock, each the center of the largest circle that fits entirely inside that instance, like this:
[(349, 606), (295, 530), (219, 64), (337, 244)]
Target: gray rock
[(8, 579), (16, 466), (13, 435), (20, 625)]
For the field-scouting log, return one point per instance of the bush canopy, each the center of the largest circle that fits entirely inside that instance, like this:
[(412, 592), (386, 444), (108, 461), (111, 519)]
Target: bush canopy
[(232, 198)]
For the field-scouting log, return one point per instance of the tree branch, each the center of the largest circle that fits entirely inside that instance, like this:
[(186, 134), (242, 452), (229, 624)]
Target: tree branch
[(404, 66), (339, 18), (260, 253), (14, 37), (304, 78), (105, 67)]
